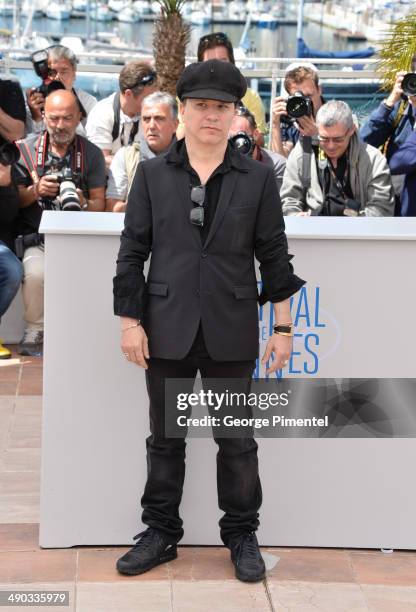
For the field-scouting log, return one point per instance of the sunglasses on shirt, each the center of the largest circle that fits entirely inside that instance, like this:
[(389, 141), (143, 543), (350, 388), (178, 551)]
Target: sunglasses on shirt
[(198, 197)]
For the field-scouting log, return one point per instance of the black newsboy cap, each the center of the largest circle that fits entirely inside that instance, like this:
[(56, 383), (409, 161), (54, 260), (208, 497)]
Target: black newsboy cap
[(212, 80)]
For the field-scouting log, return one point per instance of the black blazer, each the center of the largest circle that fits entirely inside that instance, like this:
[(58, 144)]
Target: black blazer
[(190, 282)]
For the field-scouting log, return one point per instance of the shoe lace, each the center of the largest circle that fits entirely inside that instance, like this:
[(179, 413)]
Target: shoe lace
[(147, 538), (248, 547)]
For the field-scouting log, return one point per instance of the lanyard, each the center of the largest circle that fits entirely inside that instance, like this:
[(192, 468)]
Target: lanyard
[(75, 152), (341, 184)]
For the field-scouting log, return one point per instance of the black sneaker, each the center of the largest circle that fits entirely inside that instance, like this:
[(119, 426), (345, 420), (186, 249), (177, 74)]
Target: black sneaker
[(247, 559), (153, 548)]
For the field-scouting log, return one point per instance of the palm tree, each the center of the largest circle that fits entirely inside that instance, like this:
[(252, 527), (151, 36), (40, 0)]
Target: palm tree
[(398, 50), (170, 38)]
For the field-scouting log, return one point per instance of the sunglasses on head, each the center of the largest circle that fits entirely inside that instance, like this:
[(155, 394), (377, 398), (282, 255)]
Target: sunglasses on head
[(218, 37), (146, 80), (198, 197)]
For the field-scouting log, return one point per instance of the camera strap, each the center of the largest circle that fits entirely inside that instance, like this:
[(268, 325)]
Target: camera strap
[(36, 166), (76, 152), (116, 124), (340, 183), (324, 166), (306, 162)]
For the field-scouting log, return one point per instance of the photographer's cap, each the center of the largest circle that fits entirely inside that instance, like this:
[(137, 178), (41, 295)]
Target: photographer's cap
[(212, 80)]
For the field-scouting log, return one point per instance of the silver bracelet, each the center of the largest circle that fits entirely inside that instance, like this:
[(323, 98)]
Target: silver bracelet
[(131, 326)]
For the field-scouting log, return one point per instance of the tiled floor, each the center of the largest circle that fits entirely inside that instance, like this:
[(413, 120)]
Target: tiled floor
[(201, 579)]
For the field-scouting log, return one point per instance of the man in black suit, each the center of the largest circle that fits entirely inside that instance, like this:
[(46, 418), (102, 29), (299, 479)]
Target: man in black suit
[(204, 212)]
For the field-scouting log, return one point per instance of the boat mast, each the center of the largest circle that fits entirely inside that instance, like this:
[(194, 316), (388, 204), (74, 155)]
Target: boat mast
[(299, 32)]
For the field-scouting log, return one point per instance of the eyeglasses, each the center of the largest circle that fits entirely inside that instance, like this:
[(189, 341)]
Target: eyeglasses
[(146, 80), (335, 139), (198, 197), (218, 37)]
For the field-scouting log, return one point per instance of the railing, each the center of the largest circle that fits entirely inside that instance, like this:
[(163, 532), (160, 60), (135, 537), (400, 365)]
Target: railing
[(264, 68)]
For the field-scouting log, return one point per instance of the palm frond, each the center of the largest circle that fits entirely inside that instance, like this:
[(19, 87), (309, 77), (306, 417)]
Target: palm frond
[(398, 50), (171, 7)]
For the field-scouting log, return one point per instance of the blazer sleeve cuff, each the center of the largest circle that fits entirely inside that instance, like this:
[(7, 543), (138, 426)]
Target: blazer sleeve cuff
[(280, 285), (129, 296)]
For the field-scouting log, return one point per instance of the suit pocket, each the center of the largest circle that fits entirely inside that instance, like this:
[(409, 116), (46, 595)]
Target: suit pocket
[(246, 292), (242, 207), (157, 289)]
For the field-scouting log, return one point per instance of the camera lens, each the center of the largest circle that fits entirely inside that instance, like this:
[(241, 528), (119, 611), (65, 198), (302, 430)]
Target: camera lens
[(68, 196), (409, 84), (243, 143)]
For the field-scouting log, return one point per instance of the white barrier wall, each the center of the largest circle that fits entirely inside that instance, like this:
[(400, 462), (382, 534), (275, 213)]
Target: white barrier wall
[(350, 322)]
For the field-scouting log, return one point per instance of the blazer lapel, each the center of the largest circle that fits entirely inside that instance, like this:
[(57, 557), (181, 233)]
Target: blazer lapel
[(228, 184), (184, 194)]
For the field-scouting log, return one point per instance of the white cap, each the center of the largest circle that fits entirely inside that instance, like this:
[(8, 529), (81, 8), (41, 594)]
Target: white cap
[(309, 65)]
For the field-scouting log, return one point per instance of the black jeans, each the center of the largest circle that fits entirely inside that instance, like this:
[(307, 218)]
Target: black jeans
[(238, 482)]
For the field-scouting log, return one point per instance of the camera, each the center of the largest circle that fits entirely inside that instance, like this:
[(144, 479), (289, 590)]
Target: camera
[(409, 84), (9, 153), (299, 105), (41, 67), (243, 143), (68, 198)]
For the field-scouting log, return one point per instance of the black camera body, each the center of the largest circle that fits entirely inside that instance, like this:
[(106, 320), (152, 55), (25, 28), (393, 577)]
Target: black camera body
[(243, 143), (409, 84), (9, 153), (68, 198), (41, 67), (299, 105)]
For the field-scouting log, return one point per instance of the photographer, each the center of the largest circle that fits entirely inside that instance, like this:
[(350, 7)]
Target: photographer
[(114, 121), (11, 271), (61, 170), (339, 177), (403, 162), (303, 78), (243, 135), (390, 124), (12, 111), (57, 64), (159, 120)]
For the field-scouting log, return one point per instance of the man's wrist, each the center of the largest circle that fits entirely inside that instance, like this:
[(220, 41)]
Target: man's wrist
[(389, 103), (131, 325)]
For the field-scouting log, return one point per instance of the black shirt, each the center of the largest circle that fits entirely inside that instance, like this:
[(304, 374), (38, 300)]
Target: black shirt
[(336, 186), (12, 101), (178, 155)]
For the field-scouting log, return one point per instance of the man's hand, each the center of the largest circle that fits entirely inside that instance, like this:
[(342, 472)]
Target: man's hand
[(5, 176), (281, 347), (120, 207), (135, 346), (48, 187), (278, 109), (82, 199), (303, 213), (36, 103), (307, 126), (397, 91)]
